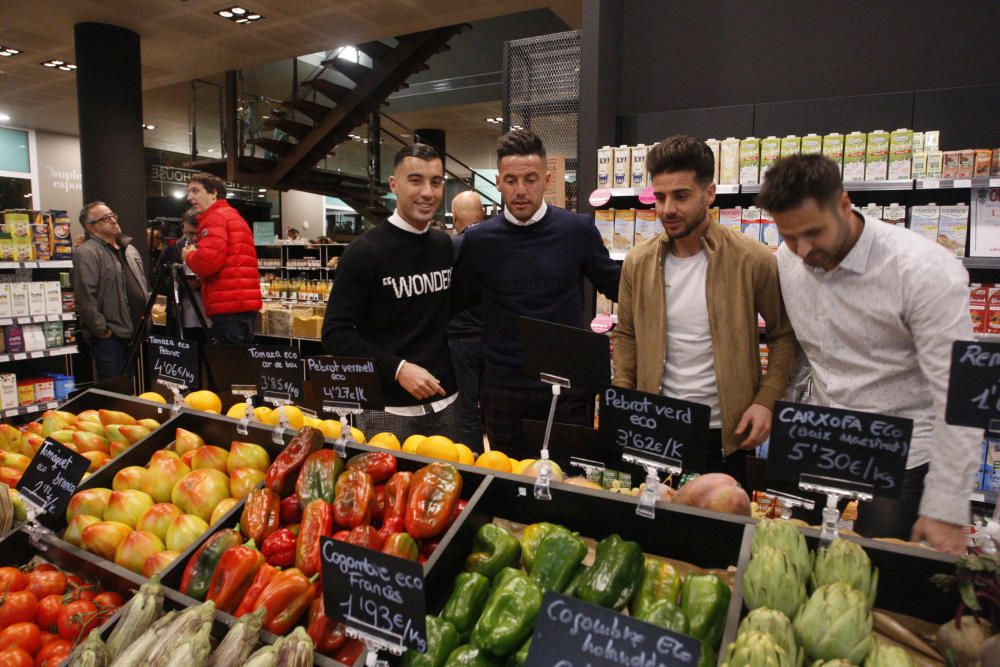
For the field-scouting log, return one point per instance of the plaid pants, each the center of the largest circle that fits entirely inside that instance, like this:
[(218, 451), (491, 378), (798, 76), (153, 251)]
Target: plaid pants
[(444, 423), (504, 408)]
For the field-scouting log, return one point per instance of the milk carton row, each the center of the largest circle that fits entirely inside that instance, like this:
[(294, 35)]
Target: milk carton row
[(622, 166), (624, 228)]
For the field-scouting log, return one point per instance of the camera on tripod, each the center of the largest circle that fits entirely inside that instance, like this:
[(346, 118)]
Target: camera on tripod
[(170, 229)]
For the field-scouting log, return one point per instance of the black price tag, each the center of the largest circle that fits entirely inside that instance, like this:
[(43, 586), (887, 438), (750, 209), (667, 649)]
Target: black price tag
[(173, 360), (375, 593), (974, 385), (656, 427), (279, 372), (847, 445), (572, 633), (51, 478), (345, 380)]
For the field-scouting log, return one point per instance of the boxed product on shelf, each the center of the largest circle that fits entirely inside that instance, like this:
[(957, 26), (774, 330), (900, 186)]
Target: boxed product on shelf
[(8, 391), (918, 142), (69, 333), (307, 326), (63, 385), (645, 225), (41, 237), (729, 157), (34, 337), (750, 223), (14, 338), (855, 144), (770, 151), (877, 156), (983, 162), (935, 164), (872, 211), (44, 389), (637, 170), (791, 145), (604, 167), (932, 140), (16, 244), (950, 164), (53, 298), (894, 214), (62, 236), (36, 299), (624, 237), (604, 219), (622, 163), (993, 310), (25, 392), (919, 166), (53, 332), (769, 233), (732, 218), (749, 161), (763, 357), (978, 293), (833, 148), (995, 163), (19, 300), (811, 144), (714, 146), (966, 163), (953, 228), (924, 220), (6, 309), (900, 154)]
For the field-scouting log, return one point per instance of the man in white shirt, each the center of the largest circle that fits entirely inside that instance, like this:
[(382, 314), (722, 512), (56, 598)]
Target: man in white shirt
[(876, 309)]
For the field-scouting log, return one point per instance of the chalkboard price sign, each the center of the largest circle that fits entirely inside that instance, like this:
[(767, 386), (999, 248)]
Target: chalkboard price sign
[(279, 372), (656, 427), (571, 633), (345, 380), (974, 385), (847, 445), (173, 360), (51, 478), (375, 593)]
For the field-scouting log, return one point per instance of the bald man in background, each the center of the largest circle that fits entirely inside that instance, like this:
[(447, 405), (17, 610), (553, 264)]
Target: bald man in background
[(465, 332)]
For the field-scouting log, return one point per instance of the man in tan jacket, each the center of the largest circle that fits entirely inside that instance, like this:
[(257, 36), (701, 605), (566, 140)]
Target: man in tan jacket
[(688, 306)]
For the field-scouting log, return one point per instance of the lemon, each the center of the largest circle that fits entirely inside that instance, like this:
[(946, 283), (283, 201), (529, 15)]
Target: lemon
[(330, 428), (238, 411), (410, 444), (204, 400), (262, 413), (312, 422), (385, 440), (358, 435), (521, 465), (152, 396), (494, 460), (438, 447), (293, 416), (465, 455)]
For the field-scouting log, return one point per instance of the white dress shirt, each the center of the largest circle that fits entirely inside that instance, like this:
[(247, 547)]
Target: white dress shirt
[(539, 214), (878, 331)]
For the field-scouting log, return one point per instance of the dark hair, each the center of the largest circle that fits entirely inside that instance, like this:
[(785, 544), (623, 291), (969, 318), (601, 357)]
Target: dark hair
[(420, 151), (682, 153), (520, 142), (189, 217), (793, 179), (211, 183), (85, 211)]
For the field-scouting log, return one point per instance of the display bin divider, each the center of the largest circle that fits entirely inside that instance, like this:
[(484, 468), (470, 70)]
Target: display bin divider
[(735, 612)]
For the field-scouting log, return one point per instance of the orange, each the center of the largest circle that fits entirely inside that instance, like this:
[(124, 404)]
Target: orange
[(465, 455), (152, 396), (385, 440), (204, 400), (330, 428), (410, 444), (494, 460), (438, 447)]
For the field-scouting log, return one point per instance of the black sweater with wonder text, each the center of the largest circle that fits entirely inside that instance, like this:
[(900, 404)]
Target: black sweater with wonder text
[(390, 302)]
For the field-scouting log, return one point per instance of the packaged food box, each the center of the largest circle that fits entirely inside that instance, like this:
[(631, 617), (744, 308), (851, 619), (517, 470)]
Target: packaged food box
[(63, 385), (14, 338), (993, 310), (953, 228), (877, 156), (769, 230), (25, 392), (41, 237), (791, 145), (749, 161), (894, 214), (918, 142), (17, 224), (950, 164), (307, 327), (5, 305), (770, 151), (932, 140), (68, 302), (919, 166), (833, 148), (69, 333), (763, 357), (62, 237), (732, 218), (924, 220), (645, 225), (44, 390), (966, 163), (605, 221), (624, 237), (812, 144), (53, 297), (900, 154), (34, 337), (8, 391), (53, 332), (750, 224), (729, 168), (638, 168), (604, 167), (978, 294), (65, 281), (19, 300), (935, 164), (983, 163), (36, 299), (872, 211), (855, 144), (714, 146), (622, 165), (995, 165)]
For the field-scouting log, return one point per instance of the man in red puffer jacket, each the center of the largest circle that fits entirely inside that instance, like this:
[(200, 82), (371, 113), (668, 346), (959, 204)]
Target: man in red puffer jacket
[(225, 261)]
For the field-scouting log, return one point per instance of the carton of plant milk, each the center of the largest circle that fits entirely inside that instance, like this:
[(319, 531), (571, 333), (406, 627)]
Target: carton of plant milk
[(5, 305), (833, 148), (811, 144), (53, 297), (36, 298), (894, 214), (731, 218), (855, 144), (713, 145), (932, 140), (604, 166), (729, 168), (622, 165), (645, 225), (638, 170), (919, 167), (918, 142), (770, 151), (900, 155), (750, 161), (953, 228), (978, 294), (966, 163), (924, 221), (769, 230), (877, 156), (935, 164), (872, 211), (605, 221), (984, 158), (19, 300), (624, 237), (750, 224), (791, 145), (950, 164)]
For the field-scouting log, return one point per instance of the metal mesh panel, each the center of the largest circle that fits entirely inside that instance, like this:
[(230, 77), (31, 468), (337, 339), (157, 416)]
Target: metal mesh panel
[(543, 94)]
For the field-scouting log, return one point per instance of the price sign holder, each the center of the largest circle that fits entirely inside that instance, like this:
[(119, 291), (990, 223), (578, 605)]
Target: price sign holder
[(48, 483), (562, 357), (650, 493), (248, 392), (278, 434), (347, 386), (177, 390), (788, 500), (173, 362)]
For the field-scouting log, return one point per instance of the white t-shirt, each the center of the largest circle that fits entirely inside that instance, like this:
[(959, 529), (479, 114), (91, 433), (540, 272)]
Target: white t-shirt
[(689, 367)]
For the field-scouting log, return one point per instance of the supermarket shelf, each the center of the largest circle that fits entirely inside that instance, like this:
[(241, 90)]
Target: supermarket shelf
[(37, 319), (748, 188), (986, 336), (39, 354), (297, 268), (985, 497), (267, 335), (52, 264), (946, 183), (29, 409), (727, 189), (981, 262), (856, 186)]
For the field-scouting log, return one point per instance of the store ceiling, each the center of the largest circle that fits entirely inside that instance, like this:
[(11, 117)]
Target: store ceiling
[(183, 40)]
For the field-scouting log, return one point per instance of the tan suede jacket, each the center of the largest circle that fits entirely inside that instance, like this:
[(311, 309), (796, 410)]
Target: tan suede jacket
[(742, 280)]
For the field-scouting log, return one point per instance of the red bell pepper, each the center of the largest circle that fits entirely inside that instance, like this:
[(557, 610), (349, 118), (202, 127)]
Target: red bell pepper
[(401, 545), (279, 548), (261, 514), (434, 490), (378, 506), (350, 652), (380, 465), (233, 576), (281, 475), (397, 489), (318, 477), (285, 599), (392, 525), (455, 513), (317, 521), (291, 510), (261, 580), (427, 547), (341, 535), (355, 496), (365, 536), (327, 635)]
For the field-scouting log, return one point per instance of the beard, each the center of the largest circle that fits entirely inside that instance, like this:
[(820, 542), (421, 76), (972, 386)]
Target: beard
[(690, 224)]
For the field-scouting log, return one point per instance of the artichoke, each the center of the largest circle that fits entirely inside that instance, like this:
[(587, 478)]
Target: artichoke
[(888, 656), (847, 562), (835, 623), (785, 536), (756, 649), (777, 625), (772, 581)]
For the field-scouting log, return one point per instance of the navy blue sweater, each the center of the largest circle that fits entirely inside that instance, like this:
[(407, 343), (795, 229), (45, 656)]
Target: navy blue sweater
[(533, 271)]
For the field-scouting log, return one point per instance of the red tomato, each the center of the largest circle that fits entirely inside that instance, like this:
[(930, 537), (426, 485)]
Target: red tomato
[(45, 567), (77, 620), (53, 653), (48, 612), (46, 582), (49, 637), (17, 608), (24, 635), (12, 579), (108, 600), (15, 657), (79, 588)]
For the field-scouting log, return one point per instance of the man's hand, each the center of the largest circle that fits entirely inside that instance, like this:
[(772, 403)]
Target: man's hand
[(942, 536), (105, 335), (756, 423), (187, 250), (416, 380)]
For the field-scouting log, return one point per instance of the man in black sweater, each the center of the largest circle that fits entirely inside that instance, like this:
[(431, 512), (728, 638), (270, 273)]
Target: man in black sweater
[(529, 261), (390, 303)]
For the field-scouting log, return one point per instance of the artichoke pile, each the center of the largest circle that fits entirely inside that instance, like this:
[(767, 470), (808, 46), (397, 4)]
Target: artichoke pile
[(846, 562), (772, 580), (835, 623), (784, 536), (888, 656), (756, 649), (777, 625)]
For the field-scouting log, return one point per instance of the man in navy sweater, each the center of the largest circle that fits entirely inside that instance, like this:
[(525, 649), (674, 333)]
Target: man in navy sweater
[(529, 261)]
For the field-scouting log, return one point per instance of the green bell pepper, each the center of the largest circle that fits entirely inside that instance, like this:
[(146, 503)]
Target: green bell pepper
[(665, 614), (614, 577), (556, 560), (509, 617), (705, 602), (506, 575), (520, 659), (466, 602), (570, 590), (708, 657), (660, 581), (442, 639), (471, 656), (533, 536), (493, 548)]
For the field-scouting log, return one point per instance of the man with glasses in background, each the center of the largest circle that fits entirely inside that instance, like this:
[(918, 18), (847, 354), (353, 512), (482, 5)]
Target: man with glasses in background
[(109, 285)]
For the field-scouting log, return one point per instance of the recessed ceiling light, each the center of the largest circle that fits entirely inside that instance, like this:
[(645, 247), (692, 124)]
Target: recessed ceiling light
[(4, 118), (240, 15), (7, 51), (226, 14), (262, 190), (60, 64), (238, 10), (148, 126)]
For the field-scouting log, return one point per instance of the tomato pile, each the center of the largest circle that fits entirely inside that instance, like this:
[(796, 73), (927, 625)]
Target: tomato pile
[(45, 612)]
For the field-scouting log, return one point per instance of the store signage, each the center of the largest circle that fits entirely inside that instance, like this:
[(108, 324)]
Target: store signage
[(656, 427), (844, 445), (647, 196), (345, 380), (279, 372), (974, 385), (168, 175), (50, 480), (173, 360), (375, 593), (600, 197), (572, 633)]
